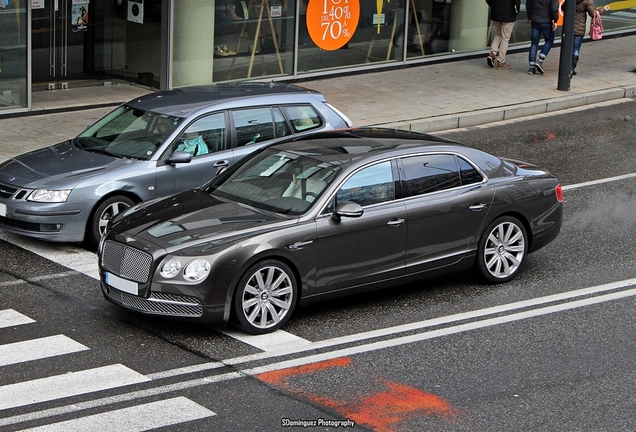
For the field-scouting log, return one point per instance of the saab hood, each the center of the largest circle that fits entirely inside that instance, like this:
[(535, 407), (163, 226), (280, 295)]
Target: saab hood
[(52, 164)]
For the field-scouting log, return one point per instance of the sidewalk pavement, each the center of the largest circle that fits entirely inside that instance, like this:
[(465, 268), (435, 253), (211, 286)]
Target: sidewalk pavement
[(425, 98)]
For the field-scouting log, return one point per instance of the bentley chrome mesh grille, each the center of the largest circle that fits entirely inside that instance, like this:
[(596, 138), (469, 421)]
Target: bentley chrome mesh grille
[(127, 262), (160, 303)]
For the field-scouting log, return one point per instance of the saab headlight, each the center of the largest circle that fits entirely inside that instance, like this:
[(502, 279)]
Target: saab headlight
[(170, 268), (49, 196), (196, 270)]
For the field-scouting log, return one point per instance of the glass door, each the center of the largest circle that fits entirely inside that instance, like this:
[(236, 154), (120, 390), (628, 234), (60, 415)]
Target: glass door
[(62, 44)]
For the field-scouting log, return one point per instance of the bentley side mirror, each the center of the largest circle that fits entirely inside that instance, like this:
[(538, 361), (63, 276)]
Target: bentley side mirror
[(348, 209)]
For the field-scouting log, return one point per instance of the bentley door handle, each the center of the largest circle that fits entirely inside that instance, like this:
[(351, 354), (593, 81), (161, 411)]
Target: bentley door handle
[(477, 207), (395, 222)]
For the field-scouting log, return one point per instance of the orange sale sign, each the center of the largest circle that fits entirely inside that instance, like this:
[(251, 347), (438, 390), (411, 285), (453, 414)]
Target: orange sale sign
[(332, 23)]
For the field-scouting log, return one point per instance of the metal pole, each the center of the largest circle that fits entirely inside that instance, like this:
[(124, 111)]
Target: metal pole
[(567, 40)]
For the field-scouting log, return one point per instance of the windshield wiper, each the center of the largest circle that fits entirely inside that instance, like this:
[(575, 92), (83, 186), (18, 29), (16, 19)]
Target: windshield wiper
[(77, 144)]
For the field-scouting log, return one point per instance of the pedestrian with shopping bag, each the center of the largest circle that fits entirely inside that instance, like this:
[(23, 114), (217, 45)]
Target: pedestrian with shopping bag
[(583, 9)]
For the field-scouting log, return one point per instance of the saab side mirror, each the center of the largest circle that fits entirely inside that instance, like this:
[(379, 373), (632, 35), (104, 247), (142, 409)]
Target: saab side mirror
[(180, 157)]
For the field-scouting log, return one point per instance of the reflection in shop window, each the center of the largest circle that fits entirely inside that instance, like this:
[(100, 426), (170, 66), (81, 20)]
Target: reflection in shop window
[(253, 41), (13, 56)]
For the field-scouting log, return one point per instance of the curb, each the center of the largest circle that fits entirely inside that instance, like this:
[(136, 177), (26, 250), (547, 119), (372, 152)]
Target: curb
[(483, 116)]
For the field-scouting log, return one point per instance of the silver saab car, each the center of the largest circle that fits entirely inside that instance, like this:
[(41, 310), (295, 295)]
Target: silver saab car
[(322, 216), (154, 145)]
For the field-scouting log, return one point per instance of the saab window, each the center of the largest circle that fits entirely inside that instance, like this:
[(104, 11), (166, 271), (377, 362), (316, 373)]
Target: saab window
[(303, 117), (258, 125), (206, 135)]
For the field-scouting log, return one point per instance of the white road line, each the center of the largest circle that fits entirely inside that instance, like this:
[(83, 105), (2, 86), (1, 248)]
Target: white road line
[(389, 331), (69, 384), (68, 255), (10, 318), (599, 181), (277, 341), (183, 385), (125, 397), (39, 278), (36, 349), (404, 340), (138, 418)]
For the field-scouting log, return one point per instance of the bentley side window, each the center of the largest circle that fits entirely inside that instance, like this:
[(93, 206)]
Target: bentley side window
[(468, 173), (368, 186), (430, 173)]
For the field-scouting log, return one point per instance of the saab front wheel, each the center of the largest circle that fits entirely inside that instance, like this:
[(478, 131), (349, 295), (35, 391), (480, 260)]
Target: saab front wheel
[(106, 210)]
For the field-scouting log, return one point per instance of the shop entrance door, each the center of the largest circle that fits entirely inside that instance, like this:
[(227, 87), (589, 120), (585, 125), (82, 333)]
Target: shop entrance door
[(62, 46)]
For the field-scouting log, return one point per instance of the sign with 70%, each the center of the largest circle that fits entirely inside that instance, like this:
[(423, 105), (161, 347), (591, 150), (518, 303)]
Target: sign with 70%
[(332, 23)]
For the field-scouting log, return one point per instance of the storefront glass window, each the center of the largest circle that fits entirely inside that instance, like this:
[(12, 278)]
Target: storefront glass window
[(13, 55), (253, 38)]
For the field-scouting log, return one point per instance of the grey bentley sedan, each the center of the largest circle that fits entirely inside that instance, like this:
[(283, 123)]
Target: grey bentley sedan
[(325, 215), (154, 145)]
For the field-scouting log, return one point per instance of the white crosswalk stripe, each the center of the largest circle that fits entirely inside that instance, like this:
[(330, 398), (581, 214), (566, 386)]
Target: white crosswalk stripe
[(69, 384), (36, 349), (10, 318), (138, 418)]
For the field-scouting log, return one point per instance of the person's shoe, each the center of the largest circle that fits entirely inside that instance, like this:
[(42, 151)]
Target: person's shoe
[(491, 59), (539, 65), (532, 70), (503, 66)]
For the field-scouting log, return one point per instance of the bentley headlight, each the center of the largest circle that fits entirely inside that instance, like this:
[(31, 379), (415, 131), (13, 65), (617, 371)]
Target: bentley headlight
[(170, 268), (49, 196), (196, 270)]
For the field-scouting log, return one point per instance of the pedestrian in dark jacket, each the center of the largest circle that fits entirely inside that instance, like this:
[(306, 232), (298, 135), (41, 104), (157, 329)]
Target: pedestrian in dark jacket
[(583, 9), (542, 16), (503, 14)]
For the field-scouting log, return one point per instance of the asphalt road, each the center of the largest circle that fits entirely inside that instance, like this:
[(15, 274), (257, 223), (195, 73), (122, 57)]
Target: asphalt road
[(551, 350)]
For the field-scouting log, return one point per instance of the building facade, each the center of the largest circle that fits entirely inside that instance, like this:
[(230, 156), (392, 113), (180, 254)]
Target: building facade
[(55, 44)]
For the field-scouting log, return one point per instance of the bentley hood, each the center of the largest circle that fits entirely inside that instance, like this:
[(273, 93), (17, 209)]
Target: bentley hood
[(191, 218)]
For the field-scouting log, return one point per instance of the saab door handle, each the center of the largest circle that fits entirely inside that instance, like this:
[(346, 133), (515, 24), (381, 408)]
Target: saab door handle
[(395, 222), (221, 164)]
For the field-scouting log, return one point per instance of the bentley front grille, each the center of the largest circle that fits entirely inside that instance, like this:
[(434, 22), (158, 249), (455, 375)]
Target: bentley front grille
[(127, 262)]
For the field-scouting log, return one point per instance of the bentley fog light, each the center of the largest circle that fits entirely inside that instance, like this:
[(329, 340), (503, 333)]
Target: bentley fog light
[(170, 268), (196, 270)]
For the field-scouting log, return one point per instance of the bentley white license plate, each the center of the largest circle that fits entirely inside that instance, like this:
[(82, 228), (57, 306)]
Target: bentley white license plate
[(3, 210), (122, 284)]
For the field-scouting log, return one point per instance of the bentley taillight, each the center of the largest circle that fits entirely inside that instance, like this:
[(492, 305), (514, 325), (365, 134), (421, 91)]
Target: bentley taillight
[(559, 193)]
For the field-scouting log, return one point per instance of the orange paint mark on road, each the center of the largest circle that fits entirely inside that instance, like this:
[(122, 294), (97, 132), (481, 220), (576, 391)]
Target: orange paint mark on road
[(279, 376), (549, 136), (392, 406), (385, 411)]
